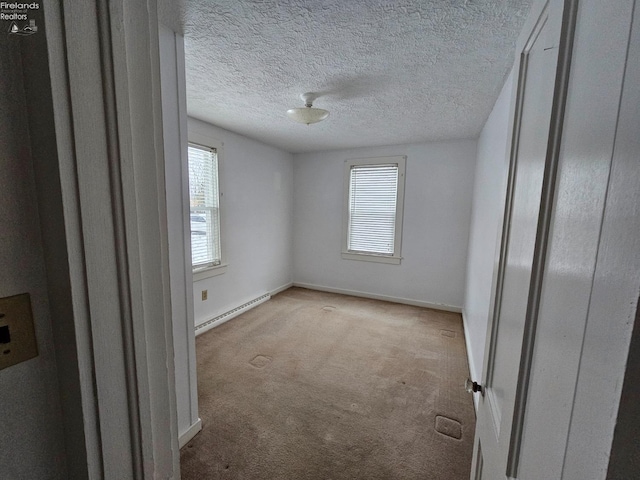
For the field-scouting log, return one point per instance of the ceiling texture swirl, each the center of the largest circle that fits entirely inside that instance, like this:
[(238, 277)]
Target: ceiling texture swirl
[(389, 72)]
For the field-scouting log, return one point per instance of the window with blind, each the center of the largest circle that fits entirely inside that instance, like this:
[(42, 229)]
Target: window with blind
[(373, 209), (204, 202)]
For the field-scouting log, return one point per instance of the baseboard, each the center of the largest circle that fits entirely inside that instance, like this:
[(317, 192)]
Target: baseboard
[(233, 313), (191, 432), (282, 288), (473, 373), (375, 296)]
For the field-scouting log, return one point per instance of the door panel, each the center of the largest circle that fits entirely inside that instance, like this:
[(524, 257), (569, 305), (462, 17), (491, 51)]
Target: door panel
[(536, 112), (532, 120)]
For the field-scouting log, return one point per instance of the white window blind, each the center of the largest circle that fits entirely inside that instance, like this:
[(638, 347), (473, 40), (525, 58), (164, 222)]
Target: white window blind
[(373, 194), (205, 207)]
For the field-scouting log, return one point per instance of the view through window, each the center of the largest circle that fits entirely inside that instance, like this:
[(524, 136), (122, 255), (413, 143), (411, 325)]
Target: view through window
[(205, 207)]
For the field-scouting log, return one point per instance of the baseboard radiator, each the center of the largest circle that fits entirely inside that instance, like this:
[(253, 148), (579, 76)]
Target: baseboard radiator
[(225, 317)]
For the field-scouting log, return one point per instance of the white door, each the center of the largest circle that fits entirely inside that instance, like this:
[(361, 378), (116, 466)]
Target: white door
[(530, 177)]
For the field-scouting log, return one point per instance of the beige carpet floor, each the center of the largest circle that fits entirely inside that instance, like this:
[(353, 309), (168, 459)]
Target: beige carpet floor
[(314, 385)]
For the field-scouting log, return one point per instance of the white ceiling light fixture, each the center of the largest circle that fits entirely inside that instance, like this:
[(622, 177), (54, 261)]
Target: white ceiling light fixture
[(308, 114)]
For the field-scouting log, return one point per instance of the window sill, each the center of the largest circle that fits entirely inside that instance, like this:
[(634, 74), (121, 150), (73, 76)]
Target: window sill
[(209, 272), (371, 258)]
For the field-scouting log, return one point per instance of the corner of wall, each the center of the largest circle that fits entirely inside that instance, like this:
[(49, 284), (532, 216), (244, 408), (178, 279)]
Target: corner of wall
[(473, 372)]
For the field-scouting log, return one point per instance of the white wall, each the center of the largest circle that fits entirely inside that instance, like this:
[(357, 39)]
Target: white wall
[(177, 196), (489, 192), (437, 211), (31, 433), (256, 183)]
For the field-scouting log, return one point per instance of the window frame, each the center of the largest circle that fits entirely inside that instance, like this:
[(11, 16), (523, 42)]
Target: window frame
[(396, 257), (211, 144)]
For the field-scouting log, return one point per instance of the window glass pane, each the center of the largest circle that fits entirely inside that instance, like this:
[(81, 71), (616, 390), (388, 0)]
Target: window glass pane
[(205, 210), (373, 193)]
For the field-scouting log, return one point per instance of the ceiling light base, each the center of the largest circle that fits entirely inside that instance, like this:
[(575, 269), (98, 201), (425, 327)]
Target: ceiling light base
[(308, 114), (308, 98)]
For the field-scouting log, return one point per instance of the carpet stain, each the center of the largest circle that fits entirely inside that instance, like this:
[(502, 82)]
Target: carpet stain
[(449, 427), (260, 361), (448, 333), (328, 308)]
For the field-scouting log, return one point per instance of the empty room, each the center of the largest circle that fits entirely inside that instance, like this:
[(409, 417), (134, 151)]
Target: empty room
[(328, 255), (320, 239), (343, 191)]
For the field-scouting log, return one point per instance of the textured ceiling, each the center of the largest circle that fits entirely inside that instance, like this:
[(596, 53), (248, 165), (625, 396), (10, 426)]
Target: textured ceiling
[(390, 72)]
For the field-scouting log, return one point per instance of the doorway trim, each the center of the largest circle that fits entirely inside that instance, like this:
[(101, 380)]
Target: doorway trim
[(103, 57)]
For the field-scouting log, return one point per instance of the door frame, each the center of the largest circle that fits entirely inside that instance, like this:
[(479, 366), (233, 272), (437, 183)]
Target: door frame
[(104, 68)]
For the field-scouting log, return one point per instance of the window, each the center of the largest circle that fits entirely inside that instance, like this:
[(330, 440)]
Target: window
[(204, 200), (374, 195)]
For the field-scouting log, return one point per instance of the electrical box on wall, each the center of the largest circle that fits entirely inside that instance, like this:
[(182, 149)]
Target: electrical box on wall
[(17, 333)]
